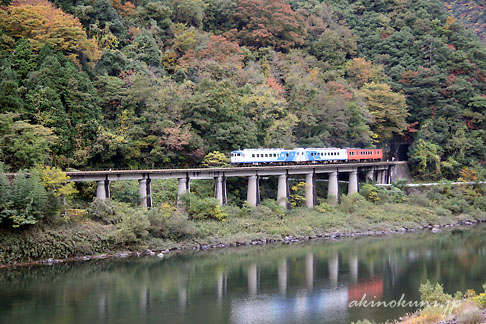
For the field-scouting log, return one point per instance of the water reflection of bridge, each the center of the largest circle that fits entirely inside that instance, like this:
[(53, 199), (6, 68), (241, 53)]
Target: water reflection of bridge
[(304, 283), (322, 294)]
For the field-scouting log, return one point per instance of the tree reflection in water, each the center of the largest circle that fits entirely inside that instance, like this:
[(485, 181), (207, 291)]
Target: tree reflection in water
[(306, 283)]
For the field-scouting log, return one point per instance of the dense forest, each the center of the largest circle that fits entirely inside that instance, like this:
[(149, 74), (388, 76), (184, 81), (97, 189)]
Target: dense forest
[(471, 13), (91, 84)]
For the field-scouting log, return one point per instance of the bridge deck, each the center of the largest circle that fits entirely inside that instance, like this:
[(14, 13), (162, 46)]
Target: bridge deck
[(210, 173)]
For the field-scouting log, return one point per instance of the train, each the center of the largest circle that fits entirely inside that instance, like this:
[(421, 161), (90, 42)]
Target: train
[(270, 156)]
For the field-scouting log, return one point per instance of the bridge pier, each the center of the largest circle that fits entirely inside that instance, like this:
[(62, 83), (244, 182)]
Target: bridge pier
[(145, 192), (253, 193), (353, 269), (378, 176), (103, 189), (182, 188), (283, 196), (309, 271), (370, 176), (333, 268), (333, 188), (220, 190), (282, 276), (310, 190), (353, 185), (382, 177), (252, 277)]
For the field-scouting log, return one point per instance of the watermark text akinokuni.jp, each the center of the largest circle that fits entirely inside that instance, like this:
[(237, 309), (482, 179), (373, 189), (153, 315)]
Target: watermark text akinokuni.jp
[(402, 302)]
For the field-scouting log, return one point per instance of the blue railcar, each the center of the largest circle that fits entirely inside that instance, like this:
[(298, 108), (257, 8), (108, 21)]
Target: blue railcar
[(267, 156)]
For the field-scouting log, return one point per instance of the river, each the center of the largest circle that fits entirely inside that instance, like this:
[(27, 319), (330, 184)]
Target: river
[(310, 282)]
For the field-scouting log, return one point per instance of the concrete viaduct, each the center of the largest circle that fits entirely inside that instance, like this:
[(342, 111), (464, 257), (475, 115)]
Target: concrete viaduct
[(380, 172)]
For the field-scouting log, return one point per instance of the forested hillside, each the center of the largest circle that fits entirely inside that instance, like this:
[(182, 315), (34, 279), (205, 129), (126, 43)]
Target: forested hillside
[(113, 83), (471, 12)]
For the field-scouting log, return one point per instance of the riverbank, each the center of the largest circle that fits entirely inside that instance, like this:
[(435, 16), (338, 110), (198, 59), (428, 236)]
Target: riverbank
[(467, 307), (86, 237)]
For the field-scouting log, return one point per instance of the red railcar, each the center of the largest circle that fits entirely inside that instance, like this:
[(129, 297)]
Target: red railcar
[(365, 154)]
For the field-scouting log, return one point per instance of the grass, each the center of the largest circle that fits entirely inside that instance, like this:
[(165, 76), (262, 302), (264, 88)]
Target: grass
[(109, 226)]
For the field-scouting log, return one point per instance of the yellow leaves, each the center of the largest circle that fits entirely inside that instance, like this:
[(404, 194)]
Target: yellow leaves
[(41, 22), (56, 181), (313, 74), (215, 159), (363, 71), (449, 21), (388, 108), (468, 174), (297, 196)]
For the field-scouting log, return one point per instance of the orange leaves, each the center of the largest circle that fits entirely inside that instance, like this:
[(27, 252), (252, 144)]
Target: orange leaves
[(272, 83), (124, 9), (363, 71), (468, 174), (408, 76), (220, 57), (41, 22), (269, 23)]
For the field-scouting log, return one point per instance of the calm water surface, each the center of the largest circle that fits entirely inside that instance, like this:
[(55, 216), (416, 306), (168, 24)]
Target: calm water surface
[(312, 282)]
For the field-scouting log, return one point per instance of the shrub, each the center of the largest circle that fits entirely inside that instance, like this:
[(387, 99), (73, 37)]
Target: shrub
[(103, 211), (370, 192), (29, 200), (133, 225), (392, 194), (480, 203), (297, 194), (324, 207), (168, 222), (353, 203), (481, 298), (419, 199), (259, 212), (55, 241), (433, 294), (5, 197), (456, 205), (274, 207), (125, 191), (469, 314), (215, 159), (202, 208)]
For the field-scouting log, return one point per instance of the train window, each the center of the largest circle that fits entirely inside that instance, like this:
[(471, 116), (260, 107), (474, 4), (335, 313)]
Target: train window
[(287, 154)]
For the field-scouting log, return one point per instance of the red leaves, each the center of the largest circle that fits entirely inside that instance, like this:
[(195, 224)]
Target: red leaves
[(269, 23), (176, 138), (272, 83), (124, 9), (411, 127), (339, 89)]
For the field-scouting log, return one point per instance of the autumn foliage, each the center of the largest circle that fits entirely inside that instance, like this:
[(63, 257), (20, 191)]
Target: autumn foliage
[(264, 23), (41, 22)]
